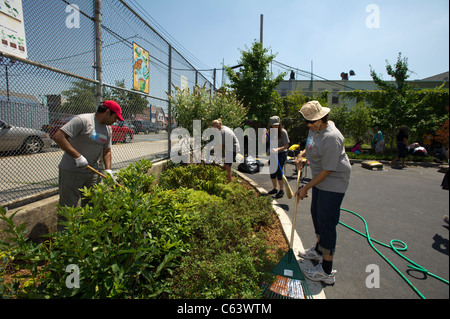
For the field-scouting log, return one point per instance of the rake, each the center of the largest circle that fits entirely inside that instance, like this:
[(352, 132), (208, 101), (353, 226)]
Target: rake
[(289, 282)]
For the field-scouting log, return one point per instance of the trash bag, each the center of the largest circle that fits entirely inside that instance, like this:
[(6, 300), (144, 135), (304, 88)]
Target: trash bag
[(250, 165)]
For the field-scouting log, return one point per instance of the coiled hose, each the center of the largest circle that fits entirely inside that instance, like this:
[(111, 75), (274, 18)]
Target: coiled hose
[(397, 250)]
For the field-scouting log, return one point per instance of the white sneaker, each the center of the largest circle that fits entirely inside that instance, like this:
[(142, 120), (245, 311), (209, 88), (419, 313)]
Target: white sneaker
[(311, 254), (318, 274)]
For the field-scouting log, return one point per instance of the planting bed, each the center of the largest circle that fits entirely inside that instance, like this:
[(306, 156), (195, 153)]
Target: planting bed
[(191, 235)]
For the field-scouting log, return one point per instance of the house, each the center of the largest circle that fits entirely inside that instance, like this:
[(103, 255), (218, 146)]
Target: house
[(160, 117), (16, 108), (337, 86)]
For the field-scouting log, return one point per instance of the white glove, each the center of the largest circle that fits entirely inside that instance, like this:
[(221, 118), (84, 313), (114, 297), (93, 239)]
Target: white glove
[(110, 172), (81, 162)]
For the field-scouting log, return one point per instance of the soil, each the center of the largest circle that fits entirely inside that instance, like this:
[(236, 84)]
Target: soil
[(274, 233)]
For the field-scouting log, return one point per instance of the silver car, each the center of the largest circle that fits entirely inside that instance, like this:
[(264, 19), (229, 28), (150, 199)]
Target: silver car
[(26, 140)]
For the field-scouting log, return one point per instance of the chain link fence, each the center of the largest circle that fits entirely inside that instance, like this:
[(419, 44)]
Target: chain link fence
[(65, 68)]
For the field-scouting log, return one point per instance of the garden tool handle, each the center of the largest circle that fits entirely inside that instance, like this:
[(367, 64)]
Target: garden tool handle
[(291, 242), (100, 174)]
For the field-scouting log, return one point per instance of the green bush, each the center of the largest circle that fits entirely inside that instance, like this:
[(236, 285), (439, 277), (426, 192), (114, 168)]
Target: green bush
[(125, 242), (198, 177), (191, 236), (389, 156), (228, 257)]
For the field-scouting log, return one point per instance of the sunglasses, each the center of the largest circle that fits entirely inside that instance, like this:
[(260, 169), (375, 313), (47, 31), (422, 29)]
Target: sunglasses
[(309, 122)]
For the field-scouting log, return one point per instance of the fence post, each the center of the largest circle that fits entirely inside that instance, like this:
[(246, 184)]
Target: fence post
[(169, 125), (214, 80), (98, 48)]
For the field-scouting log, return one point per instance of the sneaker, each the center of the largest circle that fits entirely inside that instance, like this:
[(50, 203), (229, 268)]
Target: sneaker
[(273, 192), (311, 254), (279, 194), (318, 274)]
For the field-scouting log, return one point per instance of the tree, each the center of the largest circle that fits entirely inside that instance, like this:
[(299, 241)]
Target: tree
[(399, 73), (255, 84), (291, 117), (392, 113), (80, 98), (358, 121), (130, 102), (399, 103), (198, 105), (442, 132)]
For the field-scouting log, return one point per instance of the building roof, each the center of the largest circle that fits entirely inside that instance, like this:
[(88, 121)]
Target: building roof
[(18, 97), (437, 77)]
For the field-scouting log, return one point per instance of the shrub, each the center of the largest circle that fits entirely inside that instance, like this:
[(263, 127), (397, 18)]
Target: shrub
[(147, 241), (125, 242), (198, 177), (228, 258)]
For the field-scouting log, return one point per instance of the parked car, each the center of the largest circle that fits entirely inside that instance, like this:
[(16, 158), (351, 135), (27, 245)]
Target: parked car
[(145, 126), (120, 132), (26, 140), (130, 124)]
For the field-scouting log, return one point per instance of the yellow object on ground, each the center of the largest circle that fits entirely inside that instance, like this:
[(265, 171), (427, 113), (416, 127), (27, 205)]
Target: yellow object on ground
[(373, 165)]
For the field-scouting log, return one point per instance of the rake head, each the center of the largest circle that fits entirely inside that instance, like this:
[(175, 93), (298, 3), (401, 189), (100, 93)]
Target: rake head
[(289, 282)]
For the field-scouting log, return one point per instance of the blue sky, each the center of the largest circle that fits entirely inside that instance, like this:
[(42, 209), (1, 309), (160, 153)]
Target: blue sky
[(332, 34)]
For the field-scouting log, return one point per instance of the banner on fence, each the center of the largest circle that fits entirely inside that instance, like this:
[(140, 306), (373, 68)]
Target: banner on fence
[(140, 69), (12, 30)]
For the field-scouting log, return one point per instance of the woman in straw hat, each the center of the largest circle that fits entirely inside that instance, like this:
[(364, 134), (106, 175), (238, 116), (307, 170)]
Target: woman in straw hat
[(331, 169)]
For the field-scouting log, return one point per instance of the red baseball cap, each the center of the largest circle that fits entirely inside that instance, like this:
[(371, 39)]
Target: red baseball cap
[(115, 107)]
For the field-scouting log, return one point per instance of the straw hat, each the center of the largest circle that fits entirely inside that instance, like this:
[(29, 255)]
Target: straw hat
[(313, 111)]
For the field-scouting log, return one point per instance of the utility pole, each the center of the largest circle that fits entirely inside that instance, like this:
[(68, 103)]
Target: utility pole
[(261, 31), (311, 87), (98, 49), (169, 89)]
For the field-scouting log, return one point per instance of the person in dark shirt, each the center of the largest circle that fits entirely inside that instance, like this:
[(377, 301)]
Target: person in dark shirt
[(402, 142)]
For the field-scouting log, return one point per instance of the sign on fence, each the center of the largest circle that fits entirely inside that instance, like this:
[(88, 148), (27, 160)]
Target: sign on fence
[(140, 69), (12, 30)]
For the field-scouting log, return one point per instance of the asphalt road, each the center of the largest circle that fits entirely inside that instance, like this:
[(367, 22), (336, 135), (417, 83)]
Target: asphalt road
[(405, 204)]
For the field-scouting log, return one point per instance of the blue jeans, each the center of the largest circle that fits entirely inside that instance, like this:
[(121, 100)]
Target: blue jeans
[(282, 157), (325, 213)]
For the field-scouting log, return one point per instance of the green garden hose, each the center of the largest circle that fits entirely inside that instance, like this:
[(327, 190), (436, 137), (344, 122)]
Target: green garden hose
[(397, 250)]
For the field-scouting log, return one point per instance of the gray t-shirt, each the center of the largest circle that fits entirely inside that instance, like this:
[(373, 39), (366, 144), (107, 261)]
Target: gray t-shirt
[(283, 139), (87, 136), (230, 140), (325, 151)]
